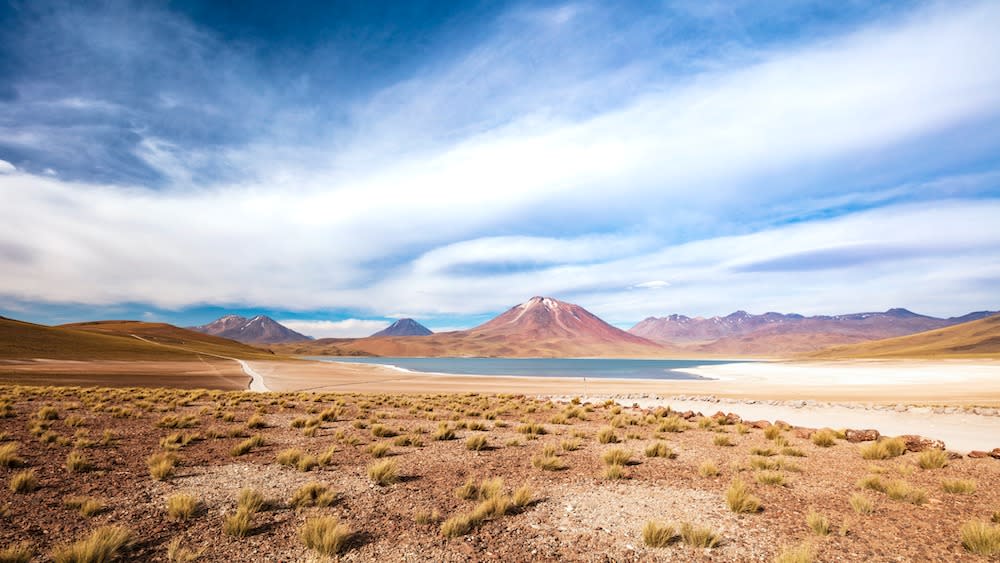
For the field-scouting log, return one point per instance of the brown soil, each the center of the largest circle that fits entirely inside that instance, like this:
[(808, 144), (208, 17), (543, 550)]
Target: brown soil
[(577, 516), (206, 373)]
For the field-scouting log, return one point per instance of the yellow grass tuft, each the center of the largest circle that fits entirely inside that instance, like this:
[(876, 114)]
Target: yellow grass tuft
[(9, 457), (660, 449), (161, 465), (177, 553), (181, 507), (862, 504), (238, 524), (251, 500), (313, 494), (739, 499), (384, 472), (708, 469), (932, 459), (959, 486), (981, 538), (824, 438), (24, 482), (803, 553), (325, 534), (21, 552), (104, 544), (86, 506), (76, 462), (699, 536), (617, 456), (657, 534), (819, 524), (903, 491)]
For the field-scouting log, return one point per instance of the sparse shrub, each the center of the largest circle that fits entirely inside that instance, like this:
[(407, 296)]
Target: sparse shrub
[(381, 431), (763, 452), (570, 444), (173, 421), (443, 432), (706, 423), (819, 524), (862, 504), (181, 506), (307, 463), (657, 534), (824, 438), (379, 450), (256, 422), (384, 472), (456, 526), (21, 552), (161, 465), (76, 462), (24, 482), (325, 534), (980, 538), (772, 432), (246, 446), (803, 553), (932, 459), (883, 449), (770, 478), (548, 462), (699, 536), (708, 469), (722, 440), (903, 491), (614, 472), (47, 413), (742, 428), (660, 449), (607, 436), (739, 499), (532, 429), (793, 452), (104, 544), (177, 553), (476, 443), (251, 500), (672, 423), (425, 517), (872, 482), (522, 497), (616, 456), (238, 524), (289, 457), (86, 506), (9, 457), (959, 486)]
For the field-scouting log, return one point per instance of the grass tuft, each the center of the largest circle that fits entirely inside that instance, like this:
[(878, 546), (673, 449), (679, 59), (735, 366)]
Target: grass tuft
[(238, 524), (862, 504), (313, 494), (819, 524), (932, 459), (770, 478), (9, 457), (708, 469), (24, 482), (739, 499), (959, 486), (657, 534), (181, 507), (161, 465), (384, 472), (699, 536), (980, 538), (177, 553), (616, 456), (903, 491), (660, 449), (803, 553), (22, 552), (325, 534), (104, 544), (476, 443), (824, 438), (86, 506), (251, 500), (76, 462)]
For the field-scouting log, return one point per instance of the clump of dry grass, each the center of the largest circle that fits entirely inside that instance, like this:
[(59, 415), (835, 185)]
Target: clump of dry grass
[(251, 500), (384, 472), (476, 443), (379, 450), (699, 536), (932, 459), (824, 438), (456, 526), (607, 435), (425, 517), (289, 457), (86, 506), (47, 413), (181, 507), (325, 534), (792, 452), (885, 448), (802, 553), (722, 440), (239, 524), (862, 504), (614, 472), (980, 538), (313, 494), (177, 553), (873, 483), (739, 499), (903, 491), (708, 468), (617, 456), (770, 478), (443, 432), (772, 432), (76, 462), (672, 423), (532, 429), (818, 523), (256, 422), (763, 452), (660, 449), (104, 544), (571, 444), (24, 481), (658, 534), (9, 457), (548, 462), (21, 552), (161, 465), (959, 486)]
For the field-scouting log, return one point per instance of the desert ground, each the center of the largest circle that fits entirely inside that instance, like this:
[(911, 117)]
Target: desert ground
[(409, 477)]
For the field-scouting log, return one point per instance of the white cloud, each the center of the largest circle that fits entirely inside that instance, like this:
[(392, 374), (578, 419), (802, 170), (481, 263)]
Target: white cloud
[(315, 227), (653, 284), (6, 167), (347, 328)]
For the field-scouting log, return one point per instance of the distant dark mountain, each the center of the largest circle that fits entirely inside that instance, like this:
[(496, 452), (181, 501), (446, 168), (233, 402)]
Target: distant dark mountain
[(741, 333), (258, 330), (404, 327)]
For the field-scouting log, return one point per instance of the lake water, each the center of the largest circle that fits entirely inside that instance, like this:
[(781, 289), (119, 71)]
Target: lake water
[(539, 367)]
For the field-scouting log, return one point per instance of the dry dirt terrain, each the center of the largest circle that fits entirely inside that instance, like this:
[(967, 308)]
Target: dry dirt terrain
[(580, 482)]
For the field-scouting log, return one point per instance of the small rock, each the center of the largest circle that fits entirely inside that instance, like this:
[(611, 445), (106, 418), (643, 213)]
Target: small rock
[(869, 435), (978, 454), (804, 433), (916, 443), (995, 454)]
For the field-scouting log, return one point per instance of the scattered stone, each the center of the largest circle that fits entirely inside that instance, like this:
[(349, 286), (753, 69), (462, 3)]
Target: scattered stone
[(916, 443), (995, 454), (761, 424), (804, 433), (978, 454), (855, 436)]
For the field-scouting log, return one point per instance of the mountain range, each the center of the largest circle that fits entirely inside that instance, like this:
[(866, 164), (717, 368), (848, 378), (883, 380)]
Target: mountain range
[(260, 329), (539, 327), (741, 333)]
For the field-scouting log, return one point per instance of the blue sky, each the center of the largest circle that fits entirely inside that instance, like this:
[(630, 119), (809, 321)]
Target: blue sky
[(338, 165)]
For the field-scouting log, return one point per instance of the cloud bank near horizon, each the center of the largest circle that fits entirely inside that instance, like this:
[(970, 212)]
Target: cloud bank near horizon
[(606, 159)]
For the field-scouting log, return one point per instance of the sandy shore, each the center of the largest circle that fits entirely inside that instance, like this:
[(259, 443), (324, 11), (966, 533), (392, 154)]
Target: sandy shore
[(845, 394)]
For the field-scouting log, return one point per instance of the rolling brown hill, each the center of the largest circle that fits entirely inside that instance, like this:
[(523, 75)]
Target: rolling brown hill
[(172, 336), (979, 338), (539, 327), (23, 340)]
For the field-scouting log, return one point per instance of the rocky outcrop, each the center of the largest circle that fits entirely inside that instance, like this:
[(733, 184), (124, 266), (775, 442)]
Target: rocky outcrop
[(861, 435)]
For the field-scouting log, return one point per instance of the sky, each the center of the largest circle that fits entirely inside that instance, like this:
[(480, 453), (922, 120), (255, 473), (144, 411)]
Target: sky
[(338, 165)]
